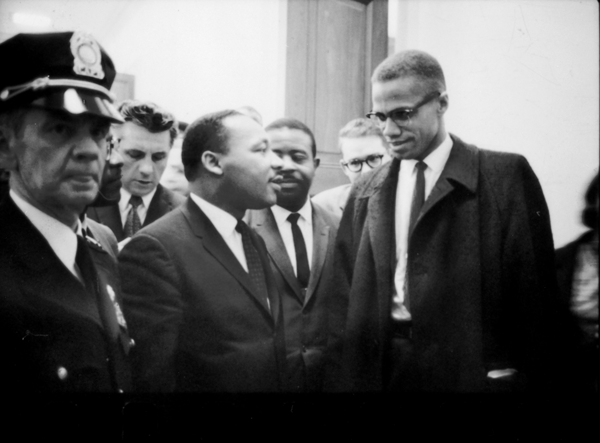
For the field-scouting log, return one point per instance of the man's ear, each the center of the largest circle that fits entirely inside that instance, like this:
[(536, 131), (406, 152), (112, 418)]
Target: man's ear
[(8, 159), (317, 162), (211, 162), (444, 102)]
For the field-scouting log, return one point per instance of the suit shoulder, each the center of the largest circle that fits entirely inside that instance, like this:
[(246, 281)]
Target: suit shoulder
[(331, 219), (168, 223), (171, 197)]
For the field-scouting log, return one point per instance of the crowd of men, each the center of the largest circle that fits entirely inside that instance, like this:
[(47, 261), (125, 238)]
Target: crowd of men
[(433, 270)]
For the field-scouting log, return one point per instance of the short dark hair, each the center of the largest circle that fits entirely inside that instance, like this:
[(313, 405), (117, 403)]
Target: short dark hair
[(149, 116), (292, 123), (361, 127), (411, 63), (590, 212), (206, 133)]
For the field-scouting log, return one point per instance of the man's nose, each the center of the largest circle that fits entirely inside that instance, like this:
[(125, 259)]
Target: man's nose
[(146, 167), (276, 161), (86, 148), (115, 160), (391, 128)]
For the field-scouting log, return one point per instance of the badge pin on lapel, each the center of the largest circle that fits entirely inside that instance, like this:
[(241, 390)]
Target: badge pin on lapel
[(113, 298)]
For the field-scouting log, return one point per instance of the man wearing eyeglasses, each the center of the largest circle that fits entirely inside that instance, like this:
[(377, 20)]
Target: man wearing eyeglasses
[(363, 148), (444, 256), (61, 327)]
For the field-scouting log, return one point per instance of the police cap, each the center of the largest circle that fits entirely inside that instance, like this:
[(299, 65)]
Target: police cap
[(67, 71)]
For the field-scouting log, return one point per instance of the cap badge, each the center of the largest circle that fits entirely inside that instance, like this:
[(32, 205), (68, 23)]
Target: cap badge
[(87, 56)]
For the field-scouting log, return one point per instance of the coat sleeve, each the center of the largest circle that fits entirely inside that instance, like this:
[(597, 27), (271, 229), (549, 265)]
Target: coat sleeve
[(154, 309), (529, 287), (337, 306)]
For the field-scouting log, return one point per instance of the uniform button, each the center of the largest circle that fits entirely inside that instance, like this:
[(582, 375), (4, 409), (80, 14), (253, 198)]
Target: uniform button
[(62, 373), (131, 342), (120, 391)]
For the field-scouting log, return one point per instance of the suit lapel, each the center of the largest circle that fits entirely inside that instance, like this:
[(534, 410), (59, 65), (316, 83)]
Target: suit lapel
[(214, 244), (320, 243), (109, 216), (381, 217), (266, 226), (158, 206)]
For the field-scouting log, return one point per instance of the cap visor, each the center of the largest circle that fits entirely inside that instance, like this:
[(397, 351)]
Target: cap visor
[(79, 101)]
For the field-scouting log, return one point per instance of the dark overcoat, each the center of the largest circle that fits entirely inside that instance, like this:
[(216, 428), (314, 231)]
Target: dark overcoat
[(198, 322), (480, 273), (55, 336), (305, 316)]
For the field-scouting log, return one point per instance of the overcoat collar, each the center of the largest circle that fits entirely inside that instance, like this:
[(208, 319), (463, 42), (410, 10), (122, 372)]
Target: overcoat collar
[(214, 244)]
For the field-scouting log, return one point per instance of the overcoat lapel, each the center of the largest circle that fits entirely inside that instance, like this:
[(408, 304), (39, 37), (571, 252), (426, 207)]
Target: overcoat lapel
[(265, 224), (320, 243), (462, 168), (212, 241), (381, 232)]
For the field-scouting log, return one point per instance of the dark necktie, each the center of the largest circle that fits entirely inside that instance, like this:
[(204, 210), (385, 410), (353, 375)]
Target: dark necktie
[(255, 267), (84, 261), (86, 267), (418, 196), (133, 223), (415, 209), (302, 267)]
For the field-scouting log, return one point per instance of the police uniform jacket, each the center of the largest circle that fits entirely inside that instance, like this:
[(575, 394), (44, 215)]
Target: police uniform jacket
[(55, 336)]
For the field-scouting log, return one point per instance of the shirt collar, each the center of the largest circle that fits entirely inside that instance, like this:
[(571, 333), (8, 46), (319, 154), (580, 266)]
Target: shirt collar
[(281, 214), (61, 238), (437, 159), (126, 196), (223, 221)]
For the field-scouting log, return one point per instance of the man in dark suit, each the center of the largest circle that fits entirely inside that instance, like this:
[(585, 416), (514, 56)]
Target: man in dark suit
[(61, 326), (200, 297), (300, 236), (444, 256), (144, 141)]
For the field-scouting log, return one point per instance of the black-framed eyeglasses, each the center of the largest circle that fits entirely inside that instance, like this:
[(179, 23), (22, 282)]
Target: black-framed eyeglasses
[(356, 164), (401, 116)]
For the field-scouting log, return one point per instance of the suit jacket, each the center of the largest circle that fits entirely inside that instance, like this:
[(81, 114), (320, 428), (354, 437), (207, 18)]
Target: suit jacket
[(334, 200), (57, 337), (198, 323), (305, 316), (162, 203), (480, 272)]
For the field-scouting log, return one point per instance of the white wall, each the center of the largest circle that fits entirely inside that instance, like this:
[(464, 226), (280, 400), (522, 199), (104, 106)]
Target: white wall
[(522, 76), (190, 56)]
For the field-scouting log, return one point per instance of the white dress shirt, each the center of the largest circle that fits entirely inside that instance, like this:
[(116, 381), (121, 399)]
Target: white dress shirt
[(225, 224), (436, 161), (142, 210), (285, 229), (61, 238)]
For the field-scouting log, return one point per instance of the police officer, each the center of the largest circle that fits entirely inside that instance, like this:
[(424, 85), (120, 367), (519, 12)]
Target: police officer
[(61, 326)]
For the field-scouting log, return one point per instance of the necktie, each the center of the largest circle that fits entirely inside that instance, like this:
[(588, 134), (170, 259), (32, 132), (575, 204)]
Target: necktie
[(302, 267), (84, 261), (85, 264), (255, 268), (418, 196), (133, 223), (415, 209)]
